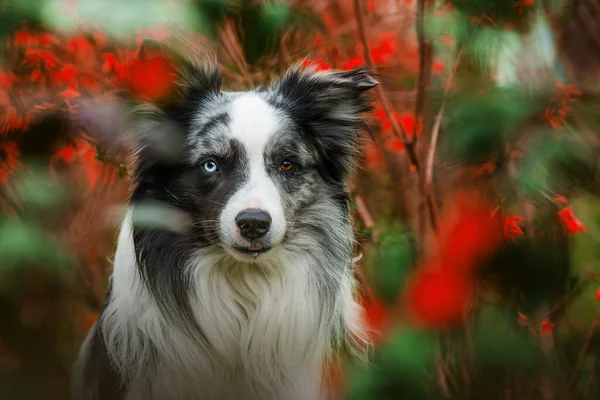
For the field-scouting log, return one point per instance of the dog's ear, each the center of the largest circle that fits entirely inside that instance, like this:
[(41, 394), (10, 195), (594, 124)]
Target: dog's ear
[(329, 107)]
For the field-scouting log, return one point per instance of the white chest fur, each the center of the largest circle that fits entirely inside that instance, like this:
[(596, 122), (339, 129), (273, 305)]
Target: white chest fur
[(266, 331)]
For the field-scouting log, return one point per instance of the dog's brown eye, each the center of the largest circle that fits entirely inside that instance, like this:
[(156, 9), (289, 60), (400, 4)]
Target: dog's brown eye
[(286, 166)]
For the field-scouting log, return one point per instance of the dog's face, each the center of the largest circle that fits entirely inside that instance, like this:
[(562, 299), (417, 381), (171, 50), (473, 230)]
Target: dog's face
[(250, 162)]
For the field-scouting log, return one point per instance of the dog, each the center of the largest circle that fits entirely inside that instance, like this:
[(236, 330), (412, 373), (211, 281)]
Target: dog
[(257, 295)]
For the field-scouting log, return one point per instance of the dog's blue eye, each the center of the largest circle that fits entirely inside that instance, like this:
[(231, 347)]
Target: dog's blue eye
[(210, 166)]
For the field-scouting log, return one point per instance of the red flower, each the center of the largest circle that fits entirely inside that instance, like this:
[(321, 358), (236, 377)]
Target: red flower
[(474, 235), (385, 123), (24, 38), (386, 47), (438, 297), (407, 120), (353, 63), (65, 75), (438, 67), (375, 314), (511, 228), (36, 56), (546, 327), (395, 145), (81, 48), (7, 79), (598, 294), (439, 293), (110, 62), (570, 222), (561, 199), (523, 320), (152, 78)]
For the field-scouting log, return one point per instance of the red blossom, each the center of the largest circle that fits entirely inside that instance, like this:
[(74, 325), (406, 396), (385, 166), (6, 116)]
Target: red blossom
[(375, 314), (353, 63), (511, 228), (36, 56), (407, 120), (385, 123), (598, 294), (570, 222), (522, 319), (546, 327), (438, 297), (395, 145), (438, 67), (152, 78), (65, 75), (7, 79), (384, 49), (81, 48), (439, 292), (561, 199)]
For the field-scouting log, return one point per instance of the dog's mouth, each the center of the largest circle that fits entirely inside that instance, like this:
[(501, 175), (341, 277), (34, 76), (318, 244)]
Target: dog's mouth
[(253, 250)]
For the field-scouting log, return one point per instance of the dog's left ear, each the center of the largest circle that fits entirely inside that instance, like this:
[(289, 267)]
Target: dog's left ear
[(329, 106)]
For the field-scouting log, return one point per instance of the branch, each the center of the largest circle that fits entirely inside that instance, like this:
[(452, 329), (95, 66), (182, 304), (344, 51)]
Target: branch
[(582, 352), (435, 131), (397, 129), (425, 62)]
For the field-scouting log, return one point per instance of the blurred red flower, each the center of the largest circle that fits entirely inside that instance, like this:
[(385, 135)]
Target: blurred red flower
[(152, 78), (440, 291), (353, 63), (407, 120), (438, 297), (511, 228), (546, 327), (570, 221)]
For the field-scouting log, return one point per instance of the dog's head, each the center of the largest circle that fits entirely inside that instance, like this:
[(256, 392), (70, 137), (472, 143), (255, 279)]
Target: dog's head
[(247, 163)]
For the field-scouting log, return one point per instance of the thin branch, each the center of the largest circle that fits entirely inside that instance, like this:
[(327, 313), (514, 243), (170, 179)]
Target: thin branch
[(364, 213), (582, 353), (397, 129), (425, 62), (435, 131), (588, 386)]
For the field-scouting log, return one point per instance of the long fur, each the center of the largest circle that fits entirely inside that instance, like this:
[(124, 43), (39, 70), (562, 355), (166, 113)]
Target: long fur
[(190, 317)]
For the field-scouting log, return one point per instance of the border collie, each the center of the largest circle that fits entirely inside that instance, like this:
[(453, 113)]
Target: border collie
[(256, 296)]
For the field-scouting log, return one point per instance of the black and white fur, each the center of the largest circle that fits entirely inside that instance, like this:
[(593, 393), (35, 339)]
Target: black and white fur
[(204, 313)]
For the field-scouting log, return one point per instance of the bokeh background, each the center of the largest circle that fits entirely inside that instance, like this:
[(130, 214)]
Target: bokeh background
[(476, 205)]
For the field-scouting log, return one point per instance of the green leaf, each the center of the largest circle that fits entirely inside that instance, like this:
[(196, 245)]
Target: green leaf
[(392, 258), (122, 18), (497, 345), (478, 126), (36, 191), (23, 244), (401, 369)]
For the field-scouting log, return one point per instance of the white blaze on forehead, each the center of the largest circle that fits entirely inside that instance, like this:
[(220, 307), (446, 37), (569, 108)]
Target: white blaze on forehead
[(253, 122)]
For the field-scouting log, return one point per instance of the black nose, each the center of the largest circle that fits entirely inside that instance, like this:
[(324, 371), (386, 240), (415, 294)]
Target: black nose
[(253, 223)]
